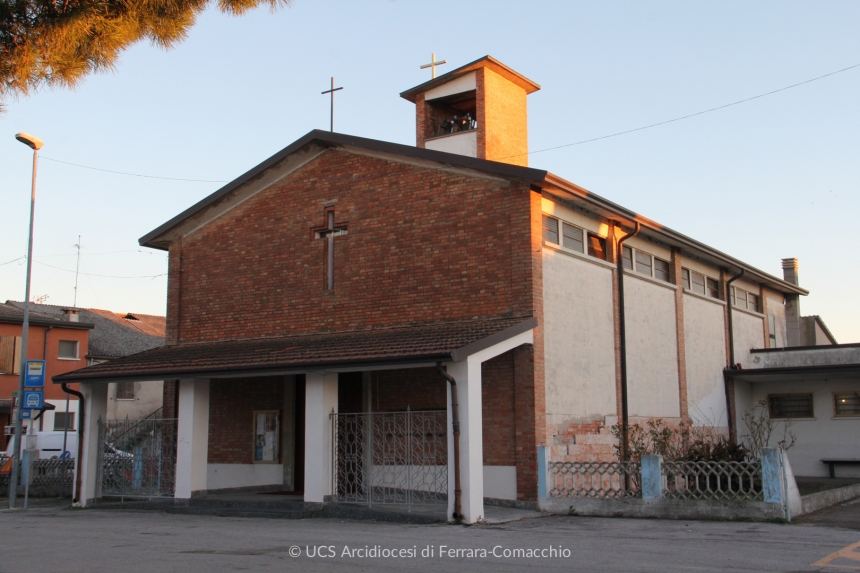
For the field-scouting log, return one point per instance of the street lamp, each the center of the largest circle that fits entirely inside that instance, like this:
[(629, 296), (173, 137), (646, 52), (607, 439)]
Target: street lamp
[(35, 144)]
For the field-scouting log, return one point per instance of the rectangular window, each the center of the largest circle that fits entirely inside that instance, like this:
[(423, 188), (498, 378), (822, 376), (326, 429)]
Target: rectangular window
[(685, 278), (740, 298), (68, 349), (661, 269), (698, 283), (643, 263), (597, 246), (846, 404), (713, 288), (125, 390), (10, 354), (752, 302), (790, 406), (550, 230), (61, 419), (573, 238), (627, 258)]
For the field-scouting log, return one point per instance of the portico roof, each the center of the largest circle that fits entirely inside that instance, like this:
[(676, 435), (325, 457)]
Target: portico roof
[(343, 350)]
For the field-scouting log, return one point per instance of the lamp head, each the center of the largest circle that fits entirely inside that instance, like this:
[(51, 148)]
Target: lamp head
[(30, 141)]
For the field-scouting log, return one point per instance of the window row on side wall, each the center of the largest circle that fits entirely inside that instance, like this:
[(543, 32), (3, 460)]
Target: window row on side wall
[(787, 406), (577, 239)]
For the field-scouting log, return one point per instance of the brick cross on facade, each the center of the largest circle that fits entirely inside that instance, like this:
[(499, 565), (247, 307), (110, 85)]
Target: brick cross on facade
[(328, 233)]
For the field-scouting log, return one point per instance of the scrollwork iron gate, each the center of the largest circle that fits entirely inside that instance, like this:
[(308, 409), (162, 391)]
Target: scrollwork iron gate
[(390, 457), (137, 458)]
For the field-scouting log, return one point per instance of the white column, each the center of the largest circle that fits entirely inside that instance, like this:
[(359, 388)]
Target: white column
[(192, 440), (320, 401), (467, 373), (95, 407)]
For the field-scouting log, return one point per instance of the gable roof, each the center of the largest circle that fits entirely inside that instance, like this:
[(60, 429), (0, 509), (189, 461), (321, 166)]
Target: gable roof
[(485, 62), (13, 313), (541, 180), (326, 139), (112, 335), (422, 344)]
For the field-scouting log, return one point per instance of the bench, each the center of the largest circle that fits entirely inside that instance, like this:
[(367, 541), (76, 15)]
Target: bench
[(832, 463)]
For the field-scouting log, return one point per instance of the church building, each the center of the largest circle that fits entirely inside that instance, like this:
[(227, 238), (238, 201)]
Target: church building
[(368, 322)]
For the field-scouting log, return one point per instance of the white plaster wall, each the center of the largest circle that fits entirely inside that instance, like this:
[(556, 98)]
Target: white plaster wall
[(463, 143), (222, 476), (823, 436), (705, 337), (749, 333), (462, 84), (776, 308), (652, 351), (148, 397), (579, 336)]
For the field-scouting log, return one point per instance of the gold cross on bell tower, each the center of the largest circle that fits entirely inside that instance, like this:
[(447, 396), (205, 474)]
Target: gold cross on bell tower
[(432, 65)]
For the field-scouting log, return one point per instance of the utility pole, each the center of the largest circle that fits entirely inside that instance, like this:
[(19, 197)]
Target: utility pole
[(77, 268)]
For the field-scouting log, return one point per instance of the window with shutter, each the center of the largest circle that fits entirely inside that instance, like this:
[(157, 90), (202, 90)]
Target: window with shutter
[(597, 246), (627, 258), (643, 263), (10, 354), (661, 269), (573, 238), (790, 405), (550, 230)]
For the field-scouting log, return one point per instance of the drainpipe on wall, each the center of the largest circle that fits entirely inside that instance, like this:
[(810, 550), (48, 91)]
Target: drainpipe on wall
[(81, 412), (728, 382), (455, 424), (622, 345)]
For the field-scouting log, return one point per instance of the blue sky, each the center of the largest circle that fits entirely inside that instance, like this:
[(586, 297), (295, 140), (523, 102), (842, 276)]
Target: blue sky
[(772, 178)]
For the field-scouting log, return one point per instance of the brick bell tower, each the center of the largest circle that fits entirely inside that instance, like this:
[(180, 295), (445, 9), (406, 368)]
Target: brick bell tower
[(477, 110)]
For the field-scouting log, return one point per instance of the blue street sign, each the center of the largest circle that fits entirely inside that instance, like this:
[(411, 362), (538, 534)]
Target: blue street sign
[(26, 414), (32, 399), (35, 374)]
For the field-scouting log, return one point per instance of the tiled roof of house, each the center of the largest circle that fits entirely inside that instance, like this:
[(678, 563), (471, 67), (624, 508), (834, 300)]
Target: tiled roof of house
[(402, 344), (114, 335), (14, 313)]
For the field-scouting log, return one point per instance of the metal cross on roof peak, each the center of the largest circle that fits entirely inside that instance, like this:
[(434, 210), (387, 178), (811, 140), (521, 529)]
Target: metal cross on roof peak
[(432, 65), (331, 91)]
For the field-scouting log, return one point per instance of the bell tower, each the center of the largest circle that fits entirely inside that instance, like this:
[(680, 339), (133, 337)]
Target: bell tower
[(477, 110)]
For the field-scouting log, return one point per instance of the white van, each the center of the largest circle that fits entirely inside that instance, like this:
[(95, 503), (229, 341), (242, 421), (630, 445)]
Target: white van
[(49, 444)]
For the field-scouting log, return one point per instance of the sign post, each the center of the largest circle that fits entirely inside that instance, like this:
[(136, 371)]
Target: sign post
[(35, 377)]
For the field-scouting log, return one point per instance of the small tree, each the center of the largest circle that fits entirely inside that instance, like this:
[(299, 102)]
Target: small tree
[(762, 429)]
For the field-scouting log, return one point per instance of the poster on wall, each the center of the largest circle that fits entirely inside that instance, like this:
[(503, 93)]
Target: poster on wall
[(266, 436)]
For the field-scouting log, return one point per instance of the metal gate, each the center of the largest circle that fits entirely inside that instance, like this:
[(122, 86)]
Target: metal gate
[(391, 457), (137, 458)]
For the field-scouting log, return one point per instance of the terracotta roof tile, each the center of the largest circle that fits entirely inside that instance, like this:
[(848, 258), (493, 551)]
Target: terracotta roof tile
[(382, 345)]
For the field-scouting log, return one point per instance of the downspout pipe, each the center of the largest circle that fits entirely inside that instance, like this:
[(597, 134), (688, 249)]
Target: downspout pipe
[(732, 364), (81, 413), (622, 344), (455, 424)]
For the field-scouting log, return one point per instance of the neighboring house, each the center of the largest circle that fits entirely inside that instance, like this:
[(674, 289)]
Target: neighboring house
[(61, 342), (812, 388), (321, 292), (112, 335)]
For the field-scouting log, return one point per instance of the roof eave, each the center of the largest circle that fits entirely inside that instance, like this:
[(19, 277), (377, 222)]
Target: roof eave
[(267, 370), (554, 182), (157, 239), (513, 76)]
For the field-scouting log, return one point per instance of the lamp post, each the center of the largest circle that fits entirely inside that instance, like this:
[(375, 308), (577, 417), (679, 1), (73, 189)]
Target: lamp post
[(35, 144)]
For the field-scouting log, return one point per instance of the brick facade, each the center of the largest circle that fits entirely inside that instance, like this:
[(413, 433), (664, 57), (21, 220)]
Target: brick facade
[(231, 409), (423, 245)]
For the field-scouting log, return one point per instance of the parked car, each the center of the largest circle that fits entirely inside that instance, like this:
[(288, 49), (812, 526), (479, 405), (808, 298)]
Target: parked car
[(49, 444)]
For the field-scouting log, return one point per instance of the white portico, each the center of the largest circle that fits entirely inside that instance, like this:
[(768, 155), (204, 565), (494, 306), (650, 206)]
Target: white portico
[(462, 348)]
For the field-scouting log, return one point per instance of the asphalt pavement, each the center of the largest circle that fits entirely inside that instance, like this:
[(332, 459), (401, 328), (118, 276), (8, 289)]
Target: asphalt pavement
[(52, 538)]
